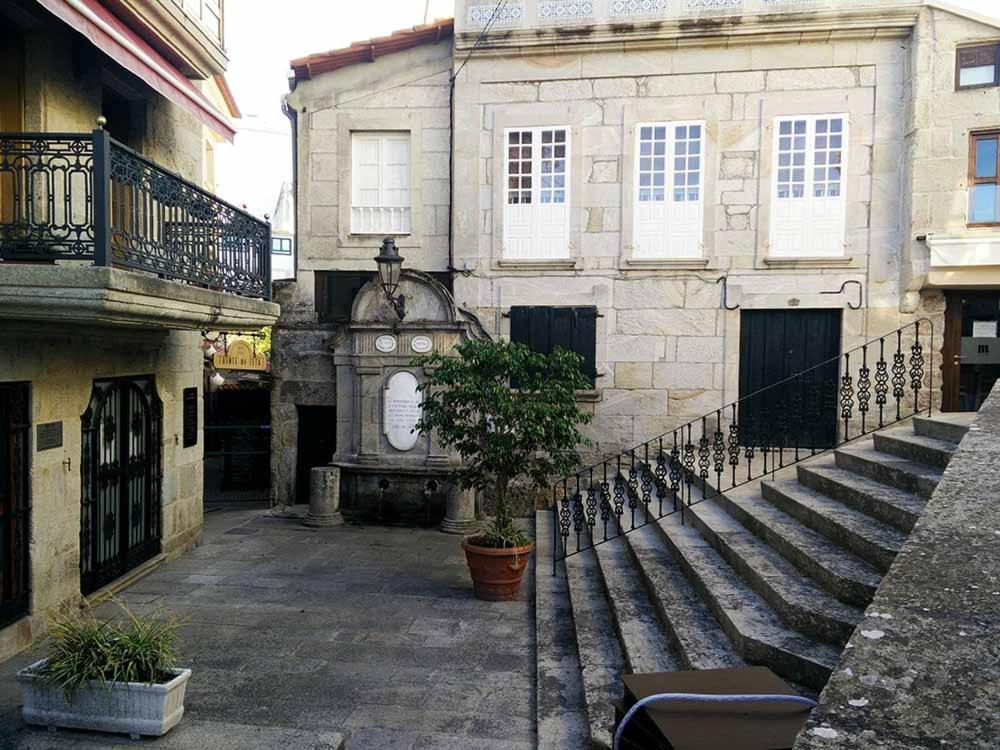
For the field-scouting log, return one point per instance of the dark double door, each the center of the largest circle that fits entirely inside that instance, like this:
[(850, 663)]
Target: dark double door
[(776, 409), (15, 453), (121, 476)]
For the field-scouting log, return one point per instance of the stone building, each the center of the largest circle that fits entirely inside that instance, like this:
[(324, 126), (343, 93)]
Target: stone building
[(114, 255), (664, 187)]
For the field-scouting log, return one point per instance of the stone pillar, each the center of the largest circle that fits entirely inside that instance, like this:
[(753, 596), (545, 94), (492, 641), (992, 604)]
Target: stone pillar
[(324, 497), (460, 512)]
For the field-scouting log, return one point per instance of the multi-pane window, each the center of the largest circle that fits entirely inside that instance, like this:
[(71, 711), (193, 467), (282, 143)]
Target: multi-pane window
[(536, 174), (281, 245), (380, 183), (808, 207), (669, 206), (984, 178), (978, 66)]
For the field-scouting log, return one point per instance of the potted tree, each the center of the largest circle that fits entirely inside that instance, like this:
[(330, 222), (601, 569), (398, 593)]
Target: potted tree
[(115, 676), (512, 415)]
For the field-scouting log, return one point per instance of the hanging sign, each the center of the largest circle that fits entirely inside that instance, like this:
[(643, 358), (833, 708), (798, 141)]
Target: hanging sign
[(239, 356)]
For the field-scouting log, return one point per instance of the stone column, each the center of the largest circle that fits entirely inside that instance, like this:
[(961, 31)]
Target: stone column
[(460, 512), (324, 497)]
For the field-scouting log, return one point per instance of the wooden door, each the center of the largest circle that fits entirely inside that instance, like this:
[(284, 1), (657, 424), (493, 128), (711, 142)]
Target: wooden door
[(777, 409)]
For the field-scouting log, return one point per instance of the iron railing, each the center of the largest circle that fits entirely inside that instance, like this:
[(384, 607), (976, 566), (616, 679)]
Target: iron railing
[(841, 399), (86, 197)]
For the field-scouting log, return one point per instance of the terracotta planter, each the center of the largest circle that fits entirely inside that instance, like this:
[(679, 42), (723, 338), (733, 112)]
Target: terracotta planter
[(496, 573)]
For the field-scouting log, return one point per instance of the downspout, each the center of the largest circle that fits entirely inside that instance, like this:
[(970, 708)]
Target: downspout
[(451, 179), (293, 118)]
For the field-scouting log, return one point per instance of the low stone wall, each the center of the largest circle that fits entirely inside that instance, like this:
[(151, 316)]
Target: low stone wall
[(921, 670)]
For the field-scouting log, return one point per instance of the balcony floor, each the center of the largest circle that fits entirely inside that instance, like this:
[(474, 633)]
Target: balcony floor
[(100, 296)]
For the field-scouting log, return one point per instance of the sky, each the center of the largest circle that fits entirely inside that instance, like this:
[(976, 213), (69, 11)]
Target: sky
[(261, 42)]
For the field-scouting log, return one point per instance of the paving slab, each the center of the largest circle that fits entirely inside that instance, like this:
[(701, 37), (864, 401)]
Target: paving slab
[(360, 637)]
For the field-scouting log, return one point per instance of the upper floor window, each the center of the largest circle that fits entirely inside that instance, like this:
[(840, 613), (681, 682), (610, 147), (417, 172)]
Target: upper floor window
[(281, 245), (978, 66), (380, 183), (808, 204), (536, 189), (984, 178), (669, 205)]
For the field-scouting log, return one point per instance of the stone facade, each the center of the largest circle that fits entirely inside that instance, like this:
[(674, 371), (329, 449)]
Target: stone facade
[(667, 350)]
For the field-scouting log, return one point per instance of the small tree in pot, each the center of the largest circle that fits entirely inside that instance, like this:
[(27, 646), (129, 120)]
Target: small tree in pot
[(511, 414)]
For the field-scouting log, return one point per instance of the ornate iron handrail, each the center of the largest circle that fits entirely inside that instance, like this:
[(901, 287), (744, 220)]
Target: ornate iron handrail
[(740, 442), (86, 197)]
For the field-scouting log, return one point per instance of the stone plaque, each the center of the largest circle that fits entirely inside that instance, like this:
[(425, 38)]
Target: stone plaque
[(48, 436), (385, 344), (402, 410), (190, 416), (421, 344)]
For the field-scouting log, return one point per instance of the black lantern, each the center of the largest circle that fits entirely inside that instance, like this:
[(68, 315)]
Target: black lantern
[(390, 268)]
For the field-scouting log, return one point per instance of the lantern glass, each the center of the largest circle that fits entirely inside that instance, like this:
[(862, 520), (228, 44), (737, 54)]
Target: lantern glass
[(390, 266)]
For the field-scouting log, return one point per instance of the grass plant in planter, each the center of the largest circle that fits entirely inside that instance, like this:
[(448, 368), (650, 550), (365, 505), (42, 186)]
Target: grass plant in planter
[(114, 676), (512, 415)]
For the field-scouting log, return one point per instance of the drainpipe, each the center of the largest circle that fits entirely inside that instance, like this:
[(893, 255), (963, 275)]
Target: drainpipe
[(293, 118), (451, 180)]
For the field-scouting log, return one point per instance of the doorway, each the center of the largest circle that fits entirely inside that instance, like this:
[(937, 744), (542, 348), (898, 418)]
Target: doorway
[(317, 443), (971, 351), (774, 346), (238, 444), (121, 471), (15, 529)]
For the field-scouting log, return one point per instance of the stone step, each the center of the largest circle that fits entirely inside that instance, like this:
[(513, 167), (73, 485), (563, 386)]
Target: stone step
[(844, 575), (793, 596), (601, 660), (699, 641), (905, 443), (872, 540), (758, 634), (903, 474), (560, 711), (896, 507), (951, 427), (645, 645)]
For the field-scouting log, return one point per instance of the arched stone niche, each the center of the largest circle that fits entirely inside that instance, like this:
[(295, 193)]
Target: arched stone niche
[(388, 472)]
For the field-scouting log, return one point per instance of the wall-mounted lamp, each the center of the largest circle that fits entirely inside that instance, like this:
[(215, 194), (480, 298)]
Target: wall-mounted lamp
[(216, 380), (390, 268)]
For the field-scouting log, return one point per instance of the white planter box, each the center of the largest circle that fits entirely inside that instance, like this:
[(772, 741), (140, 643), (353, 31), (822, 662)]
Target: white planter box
[(132, 708)]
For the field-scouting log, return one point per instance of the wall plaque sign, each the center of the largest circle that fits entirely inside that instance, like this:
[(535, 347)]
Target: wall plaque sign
[(190, 415), (386, 344), (239, 356), (402, 410), (421, 344), (48, 435)]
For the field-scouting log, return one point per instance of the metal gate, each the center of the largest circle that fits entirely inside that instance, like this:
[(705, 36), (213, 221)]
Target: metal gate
[(15, 505), (121, 473)]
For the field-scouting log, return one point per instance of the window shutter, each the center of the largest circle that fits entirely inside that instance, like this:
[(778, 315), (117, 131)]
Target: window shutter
[(585, 340)]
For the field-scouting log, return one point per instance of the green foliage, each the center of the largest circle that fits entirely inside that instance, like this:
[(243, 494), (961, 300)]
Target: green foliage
[(132, 649), (529, 434)]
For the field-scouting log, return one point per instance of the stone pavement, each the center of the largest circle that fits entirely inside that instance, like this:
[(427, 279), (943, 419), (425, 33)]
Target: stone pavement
[(298, 635)]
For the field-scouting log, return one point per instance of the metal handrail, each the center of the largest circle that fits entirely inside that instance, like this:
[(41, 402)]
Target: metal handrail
[(746, 439)]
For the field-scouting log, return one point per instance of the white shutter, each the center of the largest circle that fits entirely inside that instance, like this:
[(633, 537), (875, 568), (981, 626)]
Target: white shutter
[(669, 199), (808, 202), (380, 183), (536, 193)]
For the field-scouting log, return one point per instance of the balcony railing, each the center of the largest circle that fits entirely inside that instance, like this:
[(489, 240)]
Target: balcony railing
[(86, 197)]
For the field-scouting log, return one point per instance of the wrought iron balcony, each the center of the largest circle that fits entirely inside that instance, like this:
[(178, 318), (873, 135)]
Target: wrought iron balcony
[(87, 199)]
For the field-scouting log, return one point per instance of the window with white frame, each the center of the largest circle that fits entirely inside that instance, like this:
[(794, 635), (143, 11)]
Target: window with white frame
[(669, 198), (536, 193), (808, 208), (380, 183)]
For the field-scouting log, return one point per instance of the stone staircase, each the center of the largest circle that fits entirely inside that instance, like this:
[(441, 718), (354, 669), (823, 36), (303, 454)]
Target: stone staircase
[(775, 572)]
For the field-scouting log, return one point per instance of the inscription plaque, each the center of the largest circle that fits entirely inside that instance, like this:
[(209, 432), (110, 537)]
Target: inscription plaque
[(190, 412), (48, 436), (421, 344), (385, 344), (402, 410)]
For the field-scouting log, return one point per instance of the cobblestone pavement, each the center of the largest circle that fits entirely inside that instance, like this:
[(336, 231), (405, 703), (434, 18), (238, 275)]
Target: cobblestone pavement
[(296, 635)]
